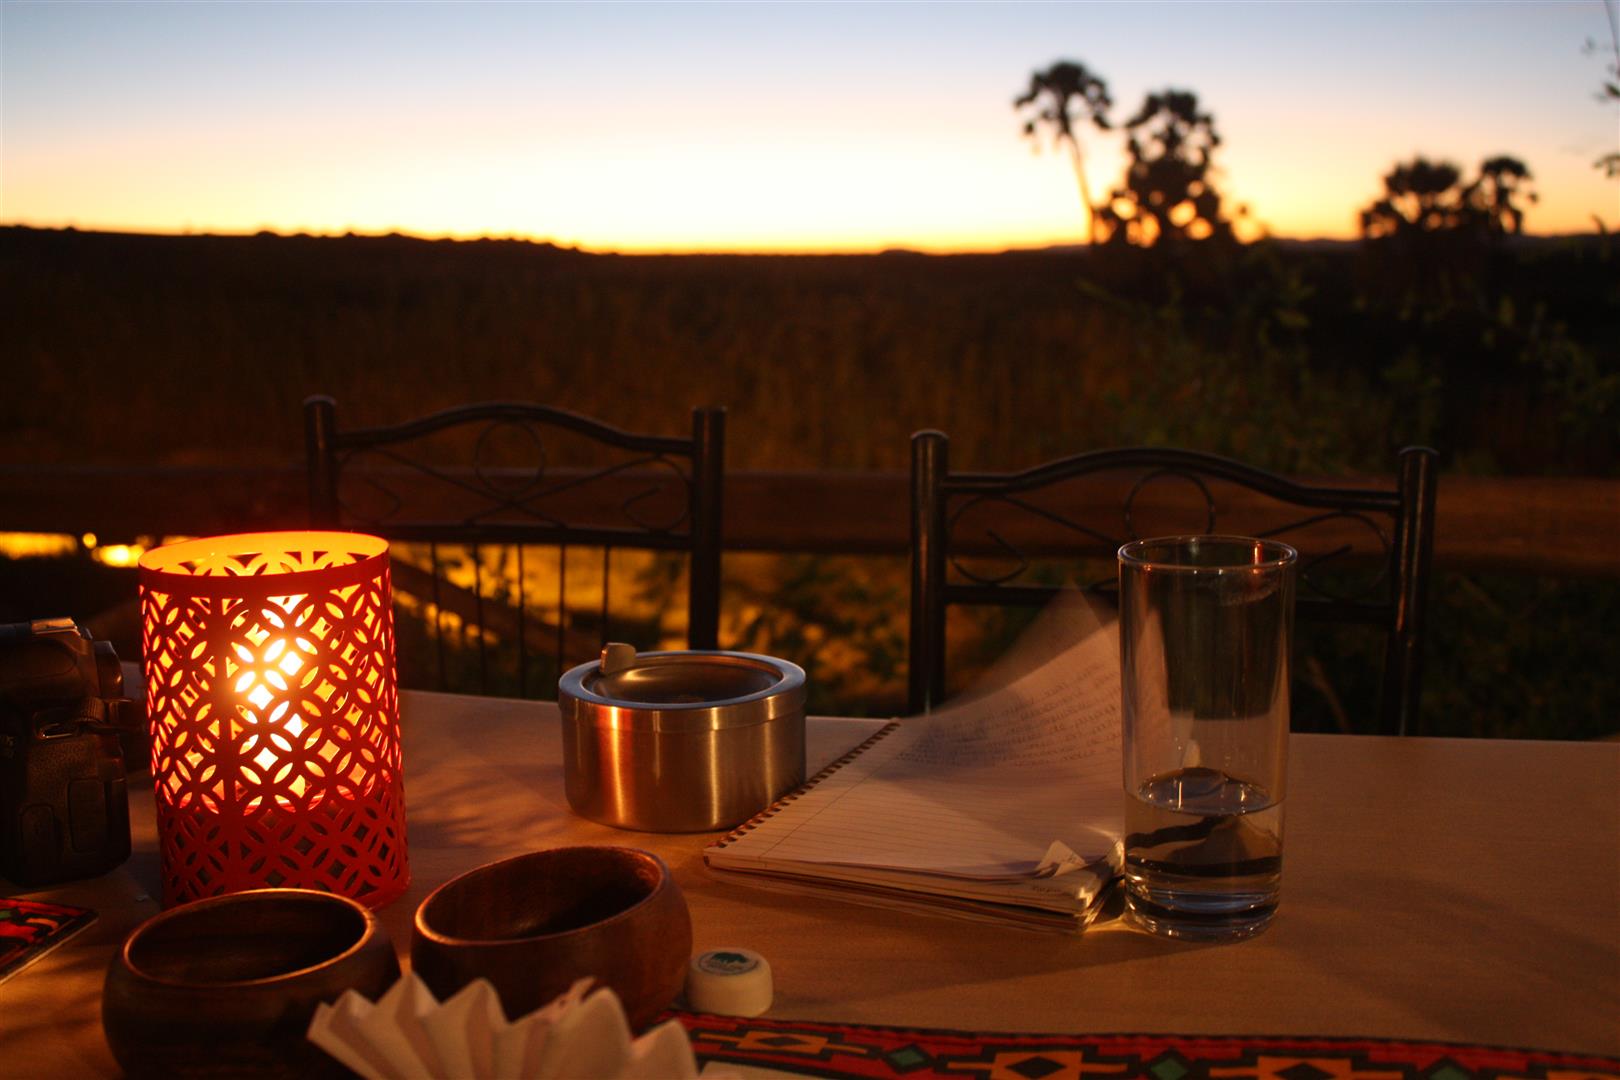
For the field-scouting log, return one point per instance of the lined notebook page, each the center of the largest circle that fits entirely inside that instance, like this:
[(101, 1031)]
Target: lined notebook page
[(981, 788)]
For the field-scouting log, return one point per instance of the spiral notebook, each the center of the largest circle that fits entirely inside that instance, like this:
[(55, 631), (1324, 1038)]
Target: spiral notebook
[(1004, 807)]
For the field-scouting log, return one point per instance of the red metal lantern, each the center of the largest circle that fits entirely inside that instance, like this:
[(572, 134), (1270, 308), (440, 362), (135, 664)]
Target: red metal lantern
[(275, 715)]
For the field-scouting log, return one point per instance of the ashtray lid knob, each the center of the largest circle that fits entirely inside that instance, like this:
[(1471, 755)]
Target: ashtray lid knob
[(616, 656)]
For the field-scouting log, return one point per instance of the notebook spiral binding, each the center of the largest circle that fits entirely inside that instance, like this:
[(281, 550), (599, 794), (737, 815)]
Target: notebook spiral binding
[(776, 807)]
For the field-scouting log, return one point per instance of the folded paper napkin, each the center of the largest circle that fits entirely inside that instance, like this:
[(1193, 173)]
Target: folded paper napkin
[(408, 1034)]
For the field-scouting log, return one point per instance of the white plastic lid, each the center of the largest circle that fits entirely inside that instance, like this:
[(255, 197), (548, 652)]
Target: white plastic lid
[(730, 981)]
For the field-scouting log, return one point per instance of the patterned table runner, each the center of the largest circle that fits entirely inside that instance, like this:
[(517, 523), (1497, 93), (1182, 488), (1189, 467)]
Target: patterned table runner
[(835, 1050)]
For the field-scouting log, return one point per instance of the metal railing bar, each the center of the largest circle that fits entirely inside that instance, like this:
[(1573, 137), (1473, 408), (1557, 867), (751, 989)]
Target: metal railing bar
[(607, 553), (562, 604), (523, 628), (438, 615), (478, 608)]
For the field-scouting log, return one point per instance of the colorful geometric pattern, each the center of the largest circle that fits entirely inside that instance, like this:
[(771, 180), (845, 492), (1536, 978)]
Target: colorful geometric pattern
[(835, 1050), (275, 715), (31, 928)]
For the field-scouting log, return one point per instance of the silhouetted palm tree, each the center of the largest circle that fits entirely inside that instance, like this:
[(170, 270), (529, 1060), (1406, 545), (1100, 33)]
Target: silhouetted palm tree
[(1065, 96)]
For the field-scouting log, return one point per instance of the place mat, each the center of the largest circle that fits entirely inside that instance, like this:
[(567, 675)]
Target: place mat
[(842, 1050)]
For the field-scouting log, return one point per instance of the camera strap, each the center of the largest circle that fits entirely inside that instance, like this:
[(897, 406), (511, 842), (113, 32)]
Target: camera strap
[(62, 721)]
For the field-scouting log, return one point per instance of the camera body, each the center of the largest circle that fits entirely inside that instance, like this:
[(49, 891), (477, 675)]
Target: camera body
[(64, 797)]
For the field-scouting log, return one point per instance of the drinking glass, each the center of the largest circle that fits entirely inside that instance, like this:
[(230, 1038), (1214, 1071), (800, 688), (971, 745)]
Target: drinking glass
[(1206, 624)]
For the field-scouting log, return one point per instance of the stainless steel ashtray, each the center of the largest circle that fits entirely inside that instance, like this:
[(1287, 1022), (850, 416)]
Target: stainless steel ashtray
[(680, 741)]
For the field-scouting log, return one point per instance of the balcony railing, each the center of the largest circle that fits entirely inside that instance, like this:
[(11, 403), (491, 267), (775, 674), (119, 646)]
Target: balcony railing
[(1553, 526)]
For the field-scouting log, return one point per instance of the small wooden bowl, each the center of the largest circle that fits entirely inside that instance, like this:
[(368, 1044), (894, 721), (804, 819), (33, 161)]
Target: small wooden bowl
[(227, 985), (535, 923)]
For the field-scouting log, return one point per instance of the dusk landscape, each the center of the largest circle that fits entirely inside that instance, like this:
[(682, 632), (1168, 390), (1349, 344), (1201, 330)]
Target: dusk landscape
[(1299, 235)]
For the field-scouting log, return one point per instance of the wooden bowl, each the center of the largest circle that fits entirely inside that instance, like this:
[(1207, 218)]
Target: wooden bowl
[(228, 985), (535, 923)]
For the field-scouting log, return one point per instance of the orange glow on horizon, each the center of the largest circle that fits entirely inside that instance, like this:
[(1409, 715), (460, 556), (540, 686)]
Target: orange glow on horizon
[(1248, 229), (1021, 203), (783, 244), (980, 191)]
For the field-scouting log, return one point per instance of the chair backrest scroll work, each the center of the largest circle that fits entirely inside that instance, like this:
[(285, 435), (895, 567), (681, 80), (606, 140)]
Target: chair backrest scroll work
[(491, 480), (978, 538)]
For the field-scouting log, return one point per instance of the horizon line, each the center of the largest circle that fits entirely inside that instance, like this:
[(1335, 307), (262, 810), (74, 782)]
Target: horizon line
[(186, 232)]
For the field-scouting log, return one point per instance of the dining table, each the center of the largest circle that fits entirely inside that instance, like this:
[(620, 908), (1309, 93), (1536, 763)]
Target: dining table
[(1459, 891)]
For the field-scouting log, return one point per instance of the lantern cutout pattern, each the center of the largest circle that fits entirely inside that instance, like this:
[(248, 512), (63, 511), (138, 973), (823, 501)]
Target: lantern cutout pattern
[(271, 692)]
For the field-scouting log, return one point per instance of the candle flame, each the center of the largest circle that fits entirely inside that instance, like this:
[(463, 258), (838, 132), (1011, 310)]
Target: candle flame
[(262, 681)]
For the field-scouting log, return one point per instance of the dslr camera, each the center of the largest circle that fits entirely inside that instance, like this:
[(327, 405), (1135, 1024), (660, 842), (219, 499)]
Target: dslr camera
[(65, 727)]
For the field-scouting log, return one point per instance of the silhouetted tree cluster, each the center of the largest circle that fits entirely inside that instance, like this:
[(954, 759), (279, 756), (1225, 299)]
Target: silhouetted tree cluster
[(1167, 193), (1423, 197)]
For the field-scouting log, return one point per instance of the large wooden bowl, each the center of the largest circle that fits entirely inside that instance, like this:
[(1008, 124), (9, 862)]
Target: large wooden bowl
[(534, 924), (227, 985)]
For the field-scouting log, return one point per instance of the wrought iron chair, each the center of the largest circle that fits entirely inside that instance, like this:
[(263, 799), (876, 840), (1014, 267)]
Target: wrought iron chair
[(509, 476), (974, 535)]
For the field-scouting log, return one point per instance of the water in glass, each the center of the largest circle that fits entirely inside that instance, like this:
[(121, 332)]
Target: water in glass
[(1203, 854)]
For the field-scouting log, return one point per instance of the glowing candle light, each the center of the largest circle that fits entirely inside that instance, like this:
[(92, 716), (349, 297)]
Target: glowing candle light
[(270, 687)]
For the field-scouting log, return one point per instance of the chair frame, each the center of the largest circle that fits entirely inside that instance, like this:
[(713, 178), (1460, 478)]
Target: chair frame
[(1410, 505), (698, 531)]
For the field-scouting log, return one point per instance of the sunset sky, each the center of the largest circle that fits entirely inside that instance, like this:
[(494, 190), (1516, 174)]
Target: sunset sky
[(726, 127)]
